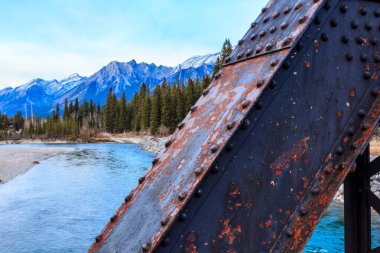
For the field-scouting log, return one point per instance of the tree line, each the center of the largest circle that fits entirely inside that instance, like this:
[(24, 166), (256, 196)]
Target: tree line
[(155, 112)]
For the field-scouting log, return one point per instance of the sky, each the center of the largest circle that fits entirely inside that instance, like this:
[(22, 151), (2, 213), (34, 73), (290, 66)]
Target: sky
[(52, 39)]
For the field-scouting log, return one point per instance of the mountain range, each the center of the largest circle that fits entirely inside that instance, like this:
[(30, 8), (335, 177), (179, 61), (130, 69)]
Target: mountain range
[(120, 76)]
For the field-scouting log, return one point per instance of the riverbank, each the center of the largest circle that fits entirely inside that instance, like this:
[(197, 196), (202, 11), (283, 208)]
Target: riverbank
[(149, 143), (18, 160)]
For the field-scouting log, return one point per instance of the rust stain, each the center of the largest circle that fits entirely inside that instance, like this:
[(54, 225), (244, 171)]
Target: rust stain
[(229, 233), (339, 114), (191, 240), (307, 64), (294, 154), (235, 189), (353, 93)]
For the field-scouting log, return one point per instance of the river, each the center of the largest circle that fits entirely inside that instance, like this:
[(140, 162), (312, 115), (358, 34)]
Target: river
[(61, 204)]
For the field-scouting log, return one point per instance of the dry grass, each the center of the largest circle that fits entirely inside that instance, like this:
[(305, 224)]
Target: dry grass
[(375, 147)]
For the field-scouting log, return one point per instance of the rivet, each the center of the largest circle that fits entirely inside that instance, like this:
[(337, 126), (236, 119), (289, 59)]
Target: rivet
[(258, 49), (342, 166), (324, 37), (343, 8), (214, 148), (286, 10), (198, 171), (345, 39), (363, 11), (272, 29), (374, 92), (377, 59), (260, 83), (376, 13), (230, 125), (354, 24), (284, 25), (141, 180), (315, 190), (98, 238), (327, 6), (289, 232), (168, 143), (245, 103), (164, 222), (351, 131), (285, 65), (249, 52), (368, 26), (262, 34), (299, 46), (298, 6), (362, 113), (205, 92), (367, 75), (272, 84), (302, 19), (363, 57), (166, 241), (113, 218), (339, 150), (359, 40), (373, 41), (146, 247), (266, 19), (276, 15), (229, 147), (315, 1), (240, 55), (274, 63), (155, 161), (181, 125), (327, 171), (258, 105), (183, 217), (317, 20), (215, 169), (349, 57), (245, 124), (228, 59), (128, 198), (303, 211), (269, 46), (253, 36), (333, 22), (182, 196), (240, 42), (199, 192), (253, 24), (287, 41), (263, 10), (354, 146), (365, 126), (219, 74)]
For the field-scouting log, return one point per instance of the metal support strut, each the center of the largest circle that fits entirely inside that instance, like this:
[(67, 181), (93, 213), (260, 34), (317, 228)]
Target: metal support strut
[(358, 200)]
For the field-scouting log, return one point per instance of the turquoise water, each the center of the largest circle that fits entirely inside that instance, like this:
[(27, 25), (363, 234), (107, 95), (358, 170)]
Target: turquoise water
[(63, 203)]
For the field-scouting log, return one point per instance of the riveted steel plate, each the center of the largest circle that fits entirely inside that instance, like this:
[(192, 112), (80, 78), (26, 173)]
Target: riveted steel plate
[(278, 27), (258, 144)]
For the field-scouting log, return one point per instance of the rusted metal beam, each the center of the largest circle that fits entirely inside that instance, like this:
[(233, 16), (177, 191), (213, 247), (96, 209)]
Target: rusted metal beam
[(254, 166)]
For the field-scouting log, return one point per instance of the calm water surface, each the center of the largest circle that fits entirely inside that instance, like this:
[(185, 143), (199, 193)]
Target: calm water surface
[(63, 203)]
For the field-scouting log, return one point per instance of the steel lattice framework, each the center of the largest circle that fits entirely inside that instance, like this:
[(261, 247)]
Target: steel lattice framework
[(254, 165)]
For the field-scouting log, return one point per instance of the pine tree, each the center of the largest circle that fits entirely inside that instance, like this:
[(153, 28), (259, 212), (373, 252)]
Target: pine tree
[(66, 113), (155, 119), (123, 117), (226, 51)]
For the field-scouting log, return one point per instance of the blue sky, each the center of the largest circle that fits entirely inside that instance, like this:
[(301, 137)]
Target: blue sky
[(51, 39)]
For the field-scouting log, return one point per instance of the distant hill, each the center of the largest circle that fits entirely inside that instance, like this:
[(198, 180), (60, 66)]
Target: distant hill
[(121, 76)]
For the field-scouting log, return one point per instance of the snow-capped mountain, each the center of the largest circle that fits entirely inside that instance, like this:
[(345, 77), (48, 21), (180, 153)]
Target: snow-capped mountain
[(120, 76)]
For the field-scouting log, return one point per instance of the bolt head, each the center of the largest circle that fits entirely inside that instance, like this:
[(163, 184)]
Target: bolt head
[(368, 26), (141, 180), (367, 75), (214, 148), (231, 125), (333, 22), (262, 34), (253, 36), (193, 108), (98, 238), (183, 217), (168, 143), (260, 83), (155, 161), (113, 218), (343, 8), (349, 57), (164, 222), (289, 232), (205, 92), (324, 37), (315, 190), (363, 11), (198, 171), (363, 57), (362, 113), (345, 39), (246, 104), (354, 24), (182, 196), (128, 198), (241, 42), (303, 211), (284, 25), (181, 125), (339, 150)]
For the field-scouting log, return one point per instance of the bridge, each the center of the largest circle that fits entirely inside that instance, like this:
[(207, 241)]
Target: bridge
[(258, 159)]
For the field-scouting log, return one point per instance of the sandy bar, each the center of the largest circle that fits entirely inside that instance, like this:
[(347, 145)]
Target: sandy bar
[(16, 160)]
